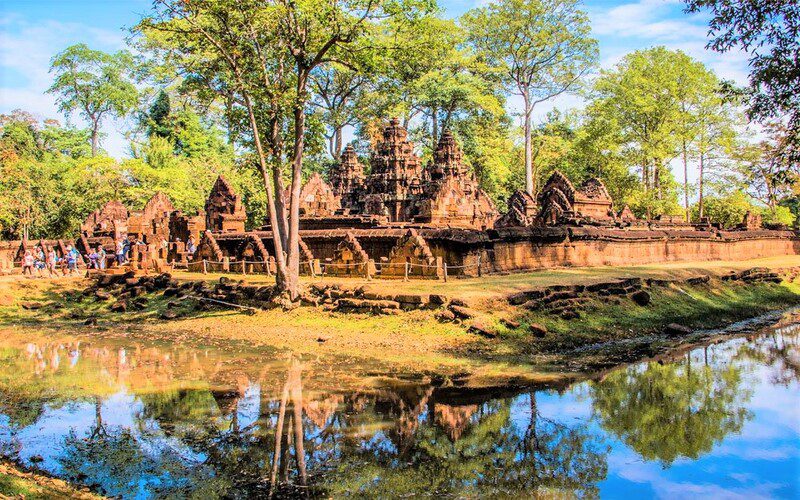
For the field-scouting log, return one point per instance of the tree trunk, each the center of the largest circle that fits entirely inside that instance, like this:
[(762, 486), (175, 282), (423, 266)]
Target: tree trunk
[(657, 179), (293, 253), (528, 154), (434, 128), (686, 183), (280, 260), (700, 186), (277, 180), (338, 143), (95, 137)]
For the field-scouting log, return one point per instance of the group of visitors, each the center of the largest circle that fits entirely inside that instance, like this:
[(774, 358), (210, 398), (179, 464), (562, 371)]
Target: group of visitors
[(36, 262)]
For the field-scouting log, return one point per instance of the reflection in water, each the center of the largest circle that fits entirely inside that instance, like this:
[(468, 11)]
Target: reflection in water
[(666, 411), (141, 420)]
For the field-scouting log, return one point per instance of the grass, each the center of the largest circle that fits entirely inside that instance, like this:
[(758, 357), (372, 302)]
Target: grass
[(416, 341), (17, 484), (698, 307)]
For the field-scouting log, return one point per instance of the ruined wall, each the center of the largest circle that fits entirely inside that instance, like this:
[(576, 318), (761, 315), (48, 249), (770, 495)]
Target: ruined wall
[(646, 249)]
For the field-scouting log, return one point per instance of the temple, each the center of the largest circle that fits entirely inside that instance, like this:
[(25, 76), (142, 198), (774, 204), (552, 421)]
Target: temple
[(406, 219)]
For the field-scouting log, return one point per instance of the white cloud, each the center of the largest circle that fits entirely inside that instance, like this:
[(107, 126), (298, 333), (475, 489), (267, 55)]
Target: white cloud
[(25, 52)]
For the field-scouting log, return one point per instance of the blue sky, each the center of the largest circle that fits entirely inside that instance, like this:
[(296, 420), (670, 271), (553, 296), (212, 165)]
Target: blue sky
[(32, 31)]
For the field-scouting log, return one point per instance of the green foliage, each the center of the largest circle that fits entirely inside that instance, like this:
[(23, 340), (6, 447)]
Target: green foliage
[(728, 210), (668, 411), (49, 182), (770, 33), (780, 215), (157, 119), (538, 49), (94, 84)]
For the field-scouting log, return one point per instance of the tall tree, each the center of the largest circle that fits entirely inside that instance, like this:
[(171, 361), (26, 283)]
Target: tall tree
[(769, 31), (698, 95), (645, 99), (93, 83), (266, 53), (339, 93), (540, 47)]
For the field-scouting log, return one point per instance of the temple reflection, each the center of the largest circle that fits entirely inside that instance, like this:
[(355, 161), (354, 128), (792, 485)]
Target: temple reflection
[(141, 420)]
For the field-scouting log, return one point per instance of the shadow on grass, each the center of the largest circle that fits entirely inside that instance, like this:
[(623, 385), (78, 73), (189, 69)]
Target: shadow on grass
[(59, 306)]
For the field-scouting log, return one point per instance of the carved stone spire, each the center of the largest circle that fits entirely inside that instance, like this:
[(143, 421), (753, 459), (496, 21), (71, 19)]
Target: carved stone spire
[(348, 175), (447, 157)]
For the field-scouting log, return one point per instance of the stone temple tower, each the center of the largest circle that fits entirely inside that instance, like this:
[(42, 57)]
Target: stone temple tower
[(347, 179), (396, 174)]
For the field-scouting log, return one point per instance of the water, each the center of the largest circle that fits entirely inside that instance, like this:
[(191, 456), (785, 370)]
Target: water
[(141, 419)]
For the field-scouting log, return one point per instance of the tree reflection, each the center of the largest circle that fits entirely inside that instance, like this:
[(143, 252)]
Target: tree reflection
[(778, 351), (666, 411), (474, 450)]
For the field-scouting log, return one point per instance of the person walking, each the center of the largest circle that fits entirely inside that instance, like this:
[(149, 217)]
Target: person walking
[(120, 252), (39, 263), (27, 263), (101, 256), (93, 263), (72, 259), (51, 261)]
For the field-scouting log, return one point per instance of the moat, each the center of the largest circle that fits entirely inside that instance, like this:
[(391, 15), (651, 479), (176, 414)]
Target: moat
[(140, 418)]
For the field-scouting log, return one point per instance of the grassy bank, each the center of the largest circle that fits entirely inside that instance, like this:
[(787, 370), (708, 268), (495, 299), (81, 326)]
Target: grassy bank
[(610, 330), (14, 483), (416, 340)]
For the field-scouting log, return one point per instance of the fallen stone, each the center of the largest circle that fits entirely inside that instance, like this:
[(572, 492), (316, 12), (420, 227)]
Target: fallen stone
[(566, 294), (411, 299), (348, 303), (90, 321), (224, 280), (698, 280), (537, 330), (570, 314), (482, 329), (461, 311), (458, 302), (446, 316), (119, 306), (169, 314), (509, 323), (674, 330), (641, 298), (437, 300), (101, 295), (32, 306), (106, 280)]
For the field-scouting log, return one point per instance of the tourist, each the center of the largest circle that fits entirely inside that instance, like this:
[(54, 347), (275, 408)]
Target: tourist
[(39, 263), (190, 247), (52, 260), (27, 263), (120, 252), (93, 263), (101, 256), (72, 259)]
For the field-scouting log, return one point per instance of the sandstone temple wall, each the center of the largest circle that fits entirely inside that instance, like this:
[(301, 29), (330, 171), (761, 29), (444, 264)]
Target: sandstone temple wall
[(511, 256)]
